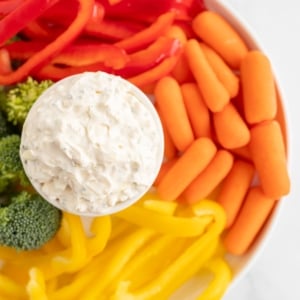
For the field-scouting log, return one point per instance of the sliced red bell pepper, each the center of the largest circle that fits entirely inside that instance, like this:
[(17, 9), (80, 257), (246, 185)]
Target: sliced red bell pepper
[(113, 30), (18, 18), (46, 54), (86, 54), (7, 6), (56, 73), (72, 55), (146, 59), (143, 10), (148, 35), (35, 30), (156, 73)]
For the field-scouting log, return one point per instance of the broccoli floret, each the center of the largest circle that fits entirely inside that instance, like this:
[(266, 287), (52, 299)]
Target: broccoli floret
[(28, 221), (11, 168), (18, 99)]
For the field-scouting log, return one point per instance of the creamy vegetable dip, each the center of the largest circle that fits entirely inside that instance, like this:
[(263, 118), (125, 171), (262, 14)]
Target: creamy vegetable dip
[(91, 143)]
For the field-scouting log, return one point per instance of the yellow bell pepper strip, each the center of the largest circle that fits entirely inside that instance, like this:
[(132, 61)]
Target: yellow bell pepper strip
[(62, 263), (151, 201), (101, 230), (128, 249), (222, 277), (35, 287), (147, 261), (171, 278), (11, 289), (119, 228), (54, 245), (84, 276), (208, 207), (177, 226), (42, 57), (64, 234), (191, 260)]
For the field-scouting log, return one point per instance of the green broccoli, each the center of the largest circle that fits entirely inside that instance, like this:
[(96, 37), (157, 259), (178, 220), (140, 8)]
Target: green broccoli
[(11, 168), (28, 221), (17, 100)]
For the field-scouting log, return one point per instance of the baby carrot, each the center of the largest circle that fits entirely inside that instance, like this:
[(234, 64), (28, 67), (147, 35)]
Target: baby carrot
[(242, 152), (259, 93), (231, 130), (215, 31), (182, 72), (269, 157), (234, 188), (224, 73), (169, 147), (187, 167), (165, 167), (210, 177), (197, 110), (214, 93), (253, 214), (170, 103)]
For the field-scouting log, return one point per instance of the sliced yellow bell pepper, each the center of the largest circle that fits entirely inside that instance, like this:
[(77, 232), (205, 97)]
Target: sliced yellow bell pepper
[(222, 277), (176, 226), (36, 288)]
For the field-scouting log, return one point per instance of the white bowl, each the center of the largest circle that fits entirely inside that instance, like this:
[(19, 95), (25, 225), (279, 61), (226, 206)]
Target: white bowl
[(240, 265)]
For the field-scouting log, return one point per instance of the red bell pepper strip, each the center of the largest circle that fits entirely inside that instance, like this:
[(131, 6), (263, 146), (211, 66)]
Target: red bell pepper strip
[(86, 54), (143, 10), (18, 18), (35, 30), (8, 6), (113, 30), (45, 55), (146, 59), (148, 35), (154, 74), (56, 73), (74, 54), (61, 11)]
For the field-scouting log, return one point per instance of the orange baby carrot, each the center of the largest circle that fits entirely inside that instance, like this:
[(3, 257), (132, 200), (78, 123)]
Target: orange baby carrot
[(171, 106), (197, 110), (186, 168), (269, 157), (169, 147), (259, 93), (165, 167), (231, 130), (215, 31), (214, 93), (234, 188), (242, 152), (182, 72), (210, 177), (224, 73), (253, 214)]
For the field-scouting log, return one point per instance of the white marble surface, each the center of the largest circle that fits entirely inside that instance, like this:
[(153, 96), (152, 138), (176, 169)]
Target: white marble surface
[(276, 273)]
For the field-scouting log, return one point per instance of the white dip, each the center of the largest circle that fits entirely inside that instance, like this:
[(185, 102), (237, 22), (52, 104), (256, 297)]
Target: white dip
[(92, 142)]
